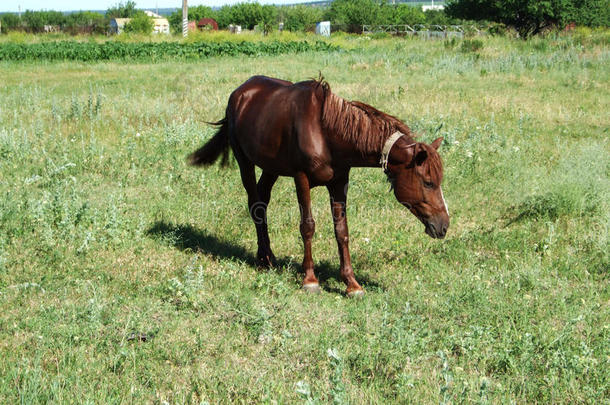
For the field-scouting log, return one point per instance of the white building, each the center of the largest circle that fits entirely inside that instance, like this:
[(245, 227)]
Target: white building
[(152, 15), (323, 28), (161, 25), (118, 24)]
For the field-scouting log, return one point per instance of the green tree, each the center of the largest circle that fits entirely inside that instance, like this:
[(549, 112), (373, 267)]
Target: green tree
[(406, 14), (10, 22), (385, 13), (590, 13), (532, 17), (33, 20), (195, 13), (268, 18), (224, 16), (36, 20), (299, 18), (53, 17), (140, 23), (439, 17), (352, 14), (86, 21), (247, 15), (122, 10)]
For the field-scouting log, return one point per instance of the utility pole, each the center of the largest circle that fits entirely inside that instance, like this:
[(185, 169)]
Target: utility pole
[(185, 19)]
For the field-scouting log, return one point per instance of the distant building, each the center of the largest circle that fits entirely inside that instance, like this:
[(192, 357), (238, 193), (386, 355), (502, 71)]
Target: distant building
[(51, 28), (323, 28), (118, 24), (204, 22), (234, 29), (433, 7), (152, 15), (161, 25)]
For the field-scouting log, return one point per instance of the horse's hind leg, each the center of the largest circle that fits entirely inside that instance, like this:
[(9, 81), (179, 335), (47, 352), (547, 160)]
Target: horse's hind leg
[(256, 206), (265, 184)]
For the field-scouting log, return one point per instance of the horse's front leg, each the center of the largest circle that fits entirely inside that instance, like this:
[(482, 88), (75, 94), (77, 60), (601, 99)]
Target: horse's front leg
[(308, 227), (338, 198)]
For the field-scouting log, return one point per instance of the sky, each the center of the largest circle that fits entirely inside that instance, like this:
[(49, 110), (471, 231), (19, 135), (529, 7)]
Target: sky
[(69, 5)]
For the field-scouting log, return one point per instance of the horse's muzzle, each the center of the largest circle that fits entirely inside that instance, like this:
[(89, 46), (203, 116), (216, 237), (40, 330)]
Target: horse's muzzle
[(437, 228)]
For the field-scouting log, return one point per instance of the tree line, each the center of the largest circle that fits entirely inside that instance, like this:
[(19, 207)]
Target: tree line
[(344, 15), (531, 17), (526, 16), (78, 22)]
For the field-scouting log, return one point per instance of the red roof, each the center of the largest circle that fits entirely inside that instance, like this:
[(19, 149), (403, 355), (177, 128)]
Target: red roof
[(208, 21)]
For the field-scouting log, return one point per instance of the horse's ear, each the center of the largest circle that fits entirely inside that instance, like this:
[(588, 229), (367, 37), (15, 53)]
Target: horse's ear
[(437, 143), (420, 156)]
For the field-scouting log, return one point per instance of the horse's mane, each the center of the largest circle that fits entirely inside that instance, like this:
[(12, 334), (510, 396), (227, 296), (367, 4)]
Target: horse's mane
[(358, 123)]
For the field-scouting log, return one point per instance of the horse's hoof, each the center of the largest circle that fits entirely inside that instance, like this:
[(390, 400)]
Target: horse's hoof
[(355, 294), (266, 262), (313, 288)]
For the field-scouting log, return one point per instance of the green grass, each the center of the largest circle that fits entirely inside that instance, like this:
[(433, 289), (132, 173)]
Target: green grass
[(126, 276)]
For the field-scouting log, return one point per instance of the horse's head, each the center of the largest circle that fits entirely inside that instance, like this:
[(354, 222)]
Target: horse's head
[(416, 172)]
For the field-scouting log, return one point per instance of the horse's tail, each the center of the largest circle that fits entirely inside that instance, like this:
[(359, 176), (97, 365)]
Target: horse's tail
[(219, 144)]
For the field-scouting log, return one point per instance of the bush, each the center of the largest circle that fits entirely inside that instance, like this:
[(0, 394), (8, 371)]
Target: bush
[(498, 29), (140, 24), (93, 51), (471, 45), (450, 43)]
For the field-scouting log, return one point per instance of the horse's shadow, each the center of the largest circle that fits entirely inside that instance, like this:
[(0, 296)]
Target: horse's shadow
[(187, 237)]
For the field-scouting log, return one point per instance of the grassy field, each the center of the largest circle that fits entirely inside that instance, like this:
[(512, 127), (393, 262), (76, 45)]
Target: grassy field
[(128, 277)]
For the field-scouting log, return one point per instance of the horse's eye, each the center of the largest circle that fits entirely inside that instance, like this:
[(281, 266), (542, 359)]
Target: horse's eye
[(428, 184)]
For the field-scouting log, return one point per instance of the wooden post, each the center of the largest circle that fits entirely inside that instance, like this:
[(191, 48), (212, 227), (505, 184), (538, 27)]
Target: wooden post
[(185, 19)]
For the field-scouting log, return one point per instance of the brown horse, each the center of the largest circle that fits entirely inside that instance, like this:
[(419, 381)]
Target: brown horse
[(304, 131)]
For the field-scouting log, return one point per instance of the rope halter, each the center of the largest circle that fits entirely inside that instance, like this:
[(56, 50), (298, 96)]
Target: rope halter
[(387, 147)]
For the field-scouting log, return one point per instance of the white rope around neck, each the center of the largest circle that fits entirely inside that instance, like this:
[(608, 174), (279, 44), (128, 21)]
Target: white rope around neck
[(387, 147)]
